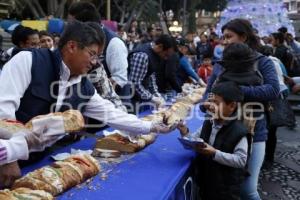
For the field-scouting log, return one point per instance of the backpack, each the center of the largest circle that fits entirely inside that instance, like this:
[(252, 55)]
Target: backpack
[(294, 63)]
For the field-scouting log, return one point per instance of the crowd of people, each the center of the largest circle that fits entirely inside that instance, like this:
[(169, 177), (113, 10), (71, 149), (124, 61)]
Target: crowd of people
[(120, 72)]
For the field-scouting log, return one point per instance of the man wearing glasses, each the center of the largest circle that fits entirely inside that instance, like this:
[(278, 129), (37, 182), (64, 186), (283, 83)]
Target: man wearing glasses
[(41, 81)]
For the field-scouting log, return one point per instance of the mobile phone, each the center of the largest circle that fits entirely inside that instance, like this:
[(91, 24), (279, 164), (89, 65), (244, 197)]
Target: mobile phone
[(191, 142)]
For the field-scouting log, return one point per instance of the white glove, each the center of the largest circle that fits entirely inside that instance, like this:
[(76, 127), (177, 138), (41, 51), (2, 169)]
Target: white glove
[(159, 127), (5, 134), (159, 101), (38, 141)]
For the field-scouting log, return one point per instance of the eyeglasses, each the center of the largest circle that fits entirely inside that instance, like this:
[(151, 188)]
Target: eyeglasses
[(93, 55)]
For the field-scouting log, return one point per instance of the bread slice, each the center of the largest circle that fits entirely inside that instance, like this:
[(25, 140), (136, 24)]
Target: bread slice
[(157, 117), (195, 98), (25, 193), (11, 126), (117, 142), (51, 176), (46, 178), (73, 120), (106, 153), (61, 176), (174, 118), (94, 162), (6, 195), (149, 138), (32, 183), (200, 90), (69, 174), (78, 174), (88, 165), (181, 109)]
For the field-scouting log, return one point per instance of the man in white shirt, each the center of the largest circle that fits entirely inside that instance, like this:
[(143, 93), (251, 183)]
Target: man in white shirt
[(42, 81)]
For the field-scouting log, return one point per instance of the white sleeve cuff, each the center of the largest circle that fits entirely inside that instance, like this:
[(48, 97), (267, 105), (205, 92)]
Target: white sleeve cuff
[(17, 148), (146, 127), (217, 155)]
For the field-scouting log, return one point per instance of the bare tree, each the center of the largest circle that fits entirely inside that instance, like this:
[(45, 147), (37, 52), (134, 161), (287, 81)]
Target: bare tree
[(60, 9), (32, 8), (121, 6), (38, 7)]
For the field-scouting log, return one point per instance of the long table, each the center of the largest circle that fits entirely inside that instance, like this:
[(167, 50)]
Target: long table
[(151, 174)]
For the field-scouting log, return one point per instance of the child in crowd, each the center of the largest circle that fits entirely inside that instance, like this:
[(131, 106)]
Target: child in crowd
[(185, 68), (205, 68), (240, 66), (220, 163), (46, 40)]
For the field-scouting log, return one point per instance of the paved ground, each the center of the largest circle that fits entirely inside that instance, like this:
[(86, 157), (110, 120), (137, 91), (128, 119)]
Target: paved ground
[(282, 180)]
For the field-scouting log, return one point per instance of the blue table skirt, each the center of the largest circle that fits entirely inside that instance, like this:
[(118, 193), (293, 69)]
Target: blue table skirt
[(152, 173)]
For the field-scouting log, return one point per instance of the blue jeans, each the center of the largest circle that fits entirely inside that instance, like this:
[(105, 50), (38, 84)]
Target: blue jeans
[(249, 186)]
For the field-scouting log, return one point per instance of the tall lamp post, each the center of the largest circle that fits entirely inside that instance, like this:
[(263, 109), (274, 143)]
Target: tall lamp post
[(184, 24), (108, 5)]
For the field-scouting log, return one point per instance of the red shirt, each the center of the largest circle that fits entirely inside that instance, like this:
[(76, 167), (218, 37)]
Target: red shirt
[(205, 71)]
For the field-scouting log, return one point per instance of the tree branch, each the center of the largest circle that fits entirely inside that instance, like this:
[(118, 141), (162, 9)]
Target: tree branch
[(32, 9), (60, 10), (118, 6), (39, 8)]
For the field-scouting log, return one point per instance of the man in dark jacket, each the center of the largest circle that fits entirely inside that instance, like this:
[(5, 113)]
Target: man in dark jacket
[(167, 75), (143, 64)]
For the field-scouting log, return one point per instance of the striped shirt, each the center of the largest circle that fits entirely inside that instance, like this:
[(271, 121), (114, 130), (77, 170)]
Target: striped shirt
[(3, 153)]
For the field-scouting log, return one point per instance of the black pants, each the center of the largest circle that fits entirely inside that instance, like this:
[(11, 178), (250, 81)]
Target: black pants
[(271, 144)]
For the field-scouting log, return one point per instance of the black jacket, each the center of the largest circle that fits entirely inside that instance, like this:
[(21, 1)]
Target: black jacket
[(166, 76), (216, 181)]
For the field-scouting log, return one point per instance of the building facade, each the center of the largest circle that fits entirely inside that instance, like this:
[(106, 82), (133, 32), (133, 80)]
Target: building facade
[(293, 7)]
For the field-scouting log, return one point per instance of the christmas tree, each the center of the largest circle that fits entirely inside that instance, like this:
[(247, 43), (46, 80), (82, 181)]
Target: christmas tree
[(265, 15)]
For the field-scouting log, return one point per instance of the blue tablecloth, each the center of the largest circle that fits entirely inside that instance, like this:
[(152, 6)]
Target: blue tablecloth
[(152, 173)]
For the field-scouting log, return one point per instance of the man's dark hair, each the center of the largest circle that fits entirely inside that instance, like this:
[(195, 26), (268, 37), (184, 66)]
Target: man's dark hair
[(149, 29), (207, 55), (45, 33), (84, 11), (90, 33), (278, 36), (229, 91), (21, 34), (283, 30), (167, 41), (243, 27), (204, 34), (266, 50)]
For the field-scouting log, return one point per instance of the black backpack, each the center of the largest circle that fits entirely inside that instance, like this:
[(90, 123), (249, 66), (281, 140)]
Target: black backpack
[(294, 63)]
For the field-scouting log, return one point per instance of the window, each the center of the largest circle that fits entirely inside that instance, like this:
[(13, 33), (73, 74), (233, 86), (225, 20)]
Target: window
[(293, 6), (298, 6)]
